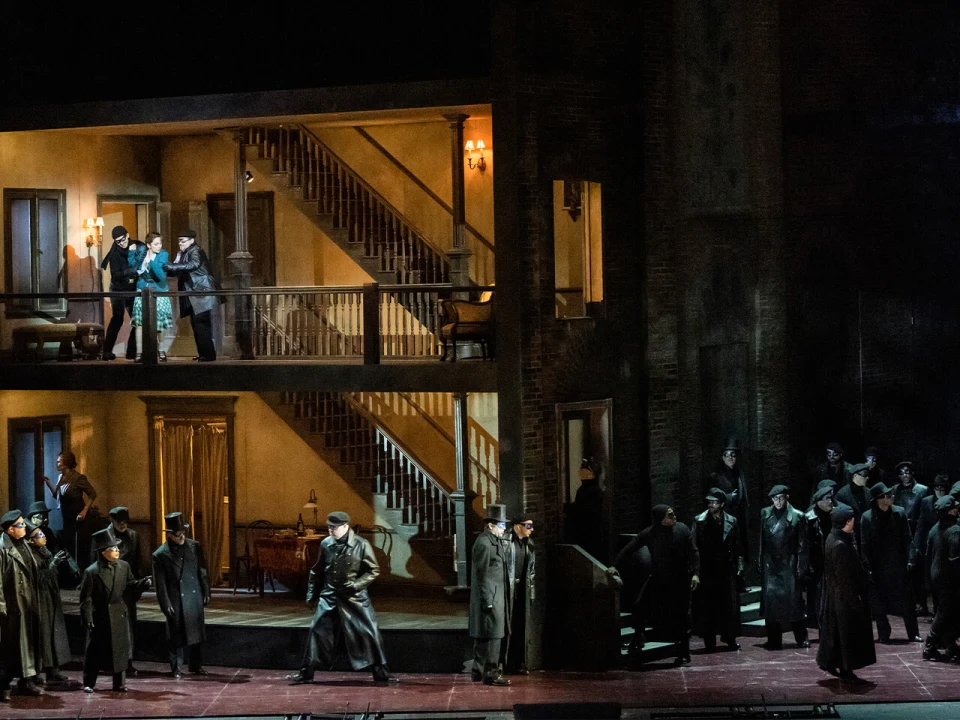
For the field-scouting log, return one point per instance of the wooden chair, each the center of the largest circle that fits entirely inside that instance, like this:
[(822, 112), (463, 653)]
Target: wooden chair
[(467, 320), (249, 560)]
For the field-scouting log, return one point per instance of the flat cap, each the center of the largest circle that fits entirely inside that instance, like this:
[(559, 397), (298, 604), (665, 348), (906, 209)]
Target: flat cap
[(338, 518)]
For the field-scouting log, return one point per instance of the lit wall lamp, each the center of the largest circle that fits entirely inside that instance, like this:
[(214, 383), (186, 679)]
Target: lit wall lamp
[(479, 163), (94, 229), (249, 176)]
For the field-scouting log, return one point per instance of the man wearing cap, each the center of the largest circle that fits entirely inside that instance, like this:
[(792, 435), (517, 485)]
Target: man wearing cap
[(193, 272), (846, 637), (871, 458), (489, 610), (943, 576), (819, 526), (782, 567), (523, 561), (728, 477), (885, 539), (123, 278), (834, 468), (716, 602), (180, 579), (344, 632), (103, 610), (19, 609), (926, 519), (909, 495), (54, 649), (129, 543), (856, 496)]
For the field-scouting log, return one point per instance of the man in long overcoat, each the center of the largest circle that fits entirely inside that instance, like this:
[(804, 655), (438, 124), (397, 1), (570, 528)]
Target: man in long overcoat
[(926, 518), (19, 609), (728, 476), (183, 590), (716, 603), (909, 494), (54, 649), (783, 567), (489, 609), (846, 636), (885, 536), (344, 632), (129, 543), (818, 530), (193, 272), (943, 577), (523, 559), (856, 496), (104, 589)]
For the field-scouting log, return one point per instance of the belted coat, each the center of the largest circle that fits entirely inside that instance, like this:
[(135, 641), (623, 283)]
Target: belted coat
[(19, 609), (783, 564), (716, 602), (180, 580), (54, 646), (103, 610)]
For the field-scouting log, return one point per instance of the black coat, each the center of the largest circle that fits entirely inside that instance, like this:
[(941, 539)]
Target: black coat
[(910, 499), (123, 275), (180, 579), (674, 560), (193, 272), (885, 552), (489, 580), (103, 610), (846, 632), (19, 608), (783, 565), (858, 499), (339, 582), (734, 485), (54, 645), (943, 559), (522, 598), (716, 603), (926, 519)]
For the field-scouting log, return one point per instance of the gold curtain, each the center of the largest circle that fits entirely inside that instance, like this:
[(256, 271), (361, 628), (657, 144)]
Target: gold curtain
[(176, 469), (211, 447)]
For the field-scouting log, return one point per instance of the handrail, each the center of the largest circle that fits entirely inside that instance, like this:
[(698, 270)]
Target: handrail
[(259, 290), (420, 184)]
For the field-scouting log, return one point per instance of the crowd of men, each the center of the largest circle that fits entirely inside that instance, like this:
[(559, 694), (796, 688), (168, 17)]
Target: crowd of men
[(860, 552)]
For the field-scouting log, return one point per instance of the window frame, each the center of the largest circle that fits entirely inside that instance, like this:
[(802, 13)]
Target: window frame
[(51, 309)]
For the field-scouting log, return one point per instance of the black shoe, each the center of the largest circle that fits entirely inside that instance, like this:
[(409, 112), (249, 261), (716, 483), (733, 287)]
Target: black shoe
[(932, 653), (86, 689), (176, 674), (831, 671), (56, 677), (682, 660), (108, 356), (803, 644), (916, 638), (29, 688), (205, 359), (732, 644), (138, 358), (497, 680), (884, 641), (163, 356), (121, 688), (132, 671), (772, 646), (199, 671), (299, 678), (851, 677), (476, 676)]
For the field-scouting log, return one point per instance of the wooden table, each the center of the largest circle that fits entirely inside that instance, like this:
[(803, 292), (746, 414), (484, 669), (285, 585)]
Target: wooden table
[(288, 556)]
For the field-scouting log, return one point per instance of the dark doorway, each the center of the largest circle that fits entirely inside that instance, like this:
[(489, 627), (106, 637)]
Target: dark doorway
[(33, 445), (260, 240)]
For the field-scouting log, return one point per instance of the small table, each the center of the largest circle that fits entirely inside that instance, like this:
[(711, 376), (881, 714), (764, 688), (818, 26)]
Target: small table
[(287, 555)]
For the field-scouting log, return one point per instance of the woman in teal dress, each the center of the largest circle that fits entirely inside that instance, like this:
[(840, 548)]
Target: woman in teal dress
[(149, 260)]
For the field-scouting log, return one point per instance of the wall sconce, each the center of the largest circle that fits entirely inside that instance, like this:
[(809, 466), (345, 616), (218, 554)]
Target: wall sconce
[(249, 176), (94, 228), (311, 504), (478, 164)]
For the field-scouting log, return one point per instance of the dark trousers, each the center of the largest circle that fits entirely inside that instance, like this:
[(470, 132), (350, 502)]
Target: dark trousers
[(203, 334), (775, 633), (946, 623), (119, 306), (193, 654), (919, 584), (486, 655), (90, 673), (909, 622)]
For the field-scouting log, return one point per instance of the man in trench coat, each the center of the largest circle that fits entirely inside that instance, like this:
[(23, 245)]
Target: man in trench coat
[(523, 559), (942, 559), (54, 649), (104, 589), (716, 603), (489, 609), (344, 632), (846, 636), (193, 272), (180, 579), (129, 543), (19, 609)]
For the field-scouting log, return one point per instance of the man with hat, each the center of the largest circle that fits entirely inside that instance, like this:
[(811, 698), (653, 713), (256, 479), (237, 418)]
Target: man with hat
[(104, 590), (39, 515), (19, 609), (180, 579), (846, 637), (489, 609), (819, 526), (129, 543), (193, 272), (909, 495), (728, 477), (943, 576), (716, 603), (885, 548), (871, 458), (782, 567), (523, 562), (54, 649), (856, 496), (835, 468), (344, 632), (123, 278), (926, 519)]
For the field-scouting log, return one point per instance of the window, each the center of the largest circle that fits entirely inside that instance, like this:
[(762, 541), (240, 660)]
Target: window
[(578, 248), (33, 444), (34, 233)]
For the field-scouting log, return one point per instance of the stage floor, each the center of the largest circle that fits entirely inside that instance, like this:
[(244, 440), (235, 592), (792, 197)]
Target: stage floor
[(751, 676)]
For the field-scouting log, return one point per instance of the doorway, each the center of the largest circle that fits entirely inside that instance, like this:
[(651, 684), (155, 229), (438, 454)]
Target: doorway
[(33, 445), (260, 236)]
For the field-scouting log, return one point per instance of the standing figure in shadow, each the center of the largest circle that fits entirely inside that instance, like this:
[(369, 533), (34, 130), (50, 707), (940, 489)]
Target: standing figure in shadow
[(489, 609), (54, 649), (716, 603), (782, 568), (193, 271), (943, 576), (728, 477)]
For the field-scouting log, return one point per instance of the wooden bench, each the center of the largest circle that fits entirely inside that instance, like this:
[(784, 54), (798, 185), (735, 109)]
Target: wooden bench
[(85, 338), (469, 321)]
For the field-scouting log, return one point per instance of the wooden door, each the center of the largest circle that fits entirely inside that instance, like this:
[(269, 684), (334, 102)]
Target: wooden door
[(260, 236)]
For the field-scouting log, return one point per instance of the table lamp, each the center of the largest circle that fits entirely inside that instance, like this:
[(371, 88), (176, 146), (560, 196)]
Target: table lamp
[(311, 504)]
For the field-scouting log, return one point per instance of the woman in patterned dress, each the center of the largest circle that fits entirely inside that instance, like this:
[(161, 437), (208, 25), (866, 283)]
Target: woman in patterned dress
[(149, 261)]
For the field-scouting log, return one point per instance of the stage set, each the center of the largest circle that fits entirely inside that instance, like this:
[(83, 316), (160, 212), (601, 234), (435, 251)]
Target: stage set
[(253, 642)]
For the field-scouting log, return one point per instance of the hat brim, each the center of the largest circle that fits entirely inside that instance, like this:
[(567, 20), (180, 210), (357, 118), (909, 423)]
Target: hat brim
[(185, 526)]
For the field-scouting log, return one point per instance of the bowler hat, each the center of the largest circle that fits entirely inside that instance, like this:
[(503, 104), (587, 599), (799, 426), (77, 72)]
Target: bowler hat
[(9, 518), (717, 494), (173, 523), (836, 447), (30, 528), (778, 490), (338, 518), (119, 231), (879, 490), (947, 502), (496, 514), (103, 539), (188, 234), (120, 514), (38, 507), (900, 466)]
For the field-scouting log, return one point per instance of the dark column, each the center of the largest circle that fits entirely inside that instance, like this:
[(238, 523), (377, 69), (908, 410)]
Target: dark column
[(462, 497), (241, 261), (459, 254)]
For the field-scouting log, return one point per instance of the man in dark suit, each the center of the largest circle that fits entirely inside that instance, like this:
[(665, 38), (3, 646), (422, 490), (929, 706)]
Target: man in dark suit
[(193, 272), (123, 278), (129, 543), (716, 604), (523, 558), (489, 611), (180, 579)]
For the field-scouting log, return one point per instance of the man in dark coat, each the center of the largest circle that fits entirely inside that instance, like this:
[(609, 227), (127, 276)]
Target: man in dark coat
[(885, 538), (716, 603), (344, 632), (129, 543), (180, 579), (782, 567), (103, 610), (943, 576), (846, 637), (19, 609), (489, 609), (871, 458), (123, 278), (909, 495), (856, 496), (728, 477), (835, 468), (926, 519), (193, 272), (586, 524), (674, 574), (54, 649), (68, 571), (523, 560), (819, 526)]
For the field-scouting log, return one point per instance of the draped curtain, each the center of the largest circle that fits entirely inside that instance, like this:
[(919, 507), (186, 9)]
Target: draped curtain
[(176, 469), (211, 457)]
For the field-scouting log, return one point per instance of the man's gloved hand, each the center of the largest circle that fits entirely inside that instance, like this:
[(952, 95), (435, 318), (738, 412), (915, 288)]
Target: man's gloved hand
[(740, 567), (169, 611), (694, 582), (909, 567), (614, 576), (88, 625), (60, 557)]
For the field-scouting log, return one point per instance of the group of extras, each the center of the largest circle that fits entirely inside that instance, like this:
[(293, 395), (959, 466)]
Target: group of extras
[(863, 550), (136, 265)]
